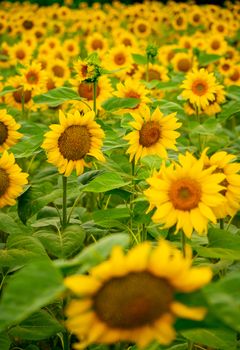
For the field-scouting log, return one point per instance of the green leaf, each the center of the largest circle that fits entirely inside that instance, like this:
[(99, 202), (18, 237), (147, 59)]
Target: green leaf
[(115, 103), (4, 341), (29, 289), (168, 107), (8, 225), (7, 90), (38, 326), (228, 110), (105, 182), (219, 338), (56, 97), (26, 243), (31, 141), (88, 176), (139, 59), (62, 244), (162, 85), (35, 198), (224, 299), (115, 213), (204, 58), (96, 253), (233, 92), (222, 244)]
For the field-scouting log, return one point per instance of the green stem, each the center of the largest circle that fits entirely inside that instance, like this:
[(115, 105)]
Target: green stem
[(199, 121), (66, 342), (64, 202), (95, 96), (133, 193), (221, 222), (147, 69), (190, 345), (183, 240), (73, 207)]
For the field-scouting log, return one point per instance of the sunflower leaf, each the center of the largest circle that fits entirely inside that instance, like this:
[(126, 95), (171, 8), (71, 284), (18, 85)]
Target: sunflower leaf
[(56, 97), (115, 103)]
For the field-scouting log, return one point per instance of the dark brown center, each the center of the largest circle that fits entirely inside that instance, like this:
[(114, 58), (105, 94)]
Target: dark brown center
[(19, 94), (32, 77), (235, 76), (185, 194), (27, 24), (97, 44), (4, 181), (132, 301), (3, 133), (20, 54), (86, 90), (215, 45), (74, 143), (184, 65), (142, 28), (149, 134), (58, 71), (119, 59)]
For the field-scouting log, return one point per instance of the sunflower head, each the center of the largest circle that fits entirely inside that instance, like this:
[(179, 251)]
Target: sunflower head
[(12, 180), (153, 133), (133, 297), (8, 130), (70, 141)]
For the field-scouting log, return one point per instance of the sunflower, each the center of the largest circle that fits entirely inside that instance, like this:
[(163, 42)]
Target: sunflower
[(81, 68), (185, 194), (199, 87), (183, 62), (119, 57), (8, 130), (132, 88), (12, 179), (71, 140), (142, 28), (180, 22), (225, 66), (59, 69), (34, 78), (4, 55), (214, 106), (234, 77), (225, 165), (20, 53), (155, 72), (153, 134), (133, 297), (96, 42), (216, 44), (71, 47), (14, 98)]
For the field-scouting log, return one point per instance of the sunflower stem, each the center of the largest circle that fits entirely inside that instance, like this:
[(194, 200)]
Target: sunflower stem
[(64, 202), (133, 193), (199, 121), (147, 69), (190, 345), (221, 222), (183, 241), (95, 96)]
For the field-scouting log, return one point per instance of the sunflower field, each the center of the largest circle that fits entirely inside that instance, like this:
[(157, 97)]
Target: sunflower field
[(119, 176)]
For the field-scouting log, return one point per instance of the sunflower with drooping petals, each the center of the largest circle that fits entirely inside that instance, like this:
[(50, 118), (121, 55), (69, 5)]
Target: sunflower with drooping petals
[(185, 195), (199, 87), (9, 135), (225, 164), (154, 134), (133, 297), (75, 137), (12, 180)]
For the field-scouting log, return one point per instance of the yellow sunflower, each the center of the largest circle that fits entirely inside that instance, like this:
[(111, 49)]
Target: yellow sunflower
[(59, 69), (12, 180), (71, 47), (75, 137), (81, 68), (20, 52), (132, 88), (183, 62), (185, 194), (133, 297), (96, 42), (224, 164), (15, 98), (214, 106), (33, 78), (155, 72), (120, 58), (216, 44), (8, 130), (234, 77), (142, 28), (153, 134), (199, 87)]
